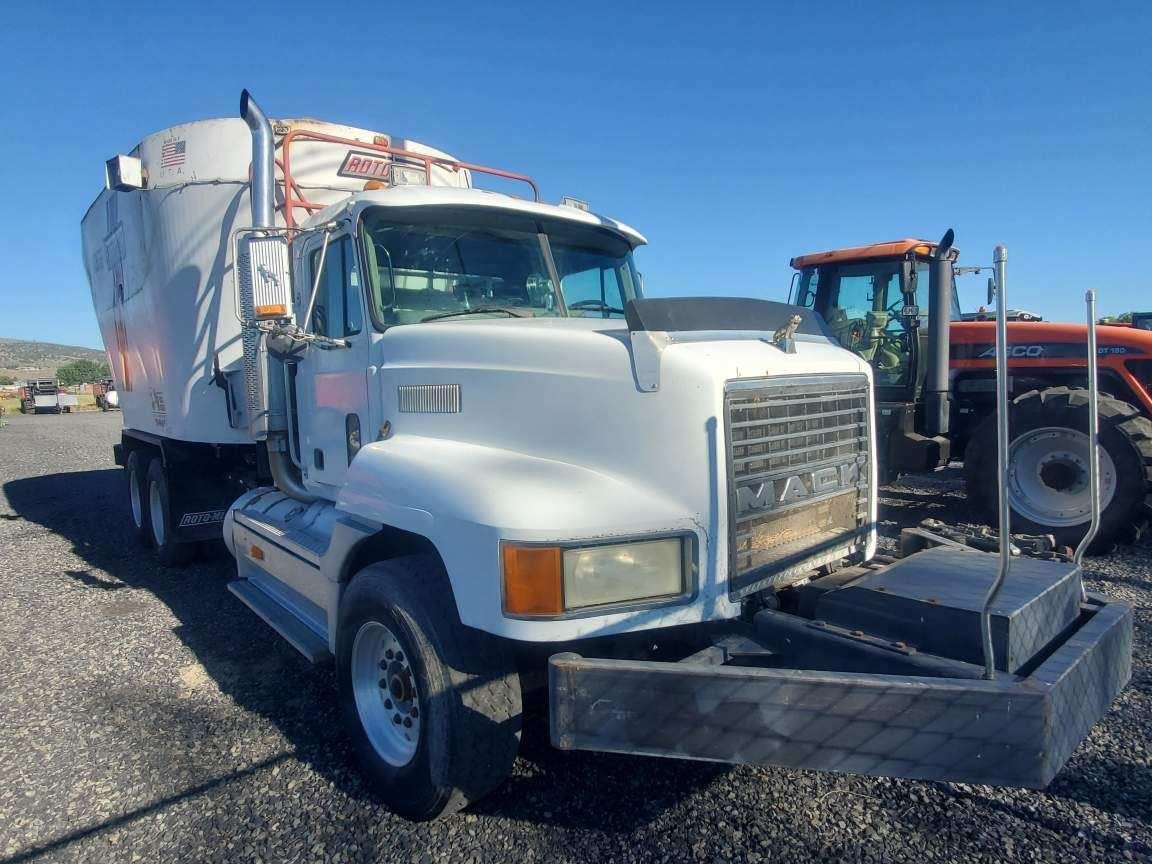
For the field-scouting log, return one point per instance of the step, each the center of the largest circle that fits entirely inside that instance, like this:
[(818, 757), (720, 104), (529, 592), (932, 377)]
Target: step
[(932, 600), (298, 634)]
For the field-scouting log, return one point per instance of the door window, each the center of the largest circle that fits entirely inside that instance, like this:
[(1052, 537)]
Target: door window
[(337, 312), (864, 309)]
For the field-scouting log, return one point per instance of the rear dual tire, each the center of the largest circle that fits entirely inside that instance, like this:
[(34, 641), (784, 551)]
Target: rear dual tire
[(150, 510)]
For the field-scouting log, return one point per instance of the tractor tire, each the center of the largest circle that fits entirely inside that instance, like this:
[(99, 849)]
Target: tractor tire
[(158, 502), (1048, 467), (433, 708)]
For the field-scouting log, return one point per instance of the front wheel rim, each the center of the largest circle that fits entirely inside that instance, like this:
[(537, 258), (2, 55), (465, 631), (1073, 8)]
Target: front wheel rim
[(156, 510), (386, 693), (1048, 476)]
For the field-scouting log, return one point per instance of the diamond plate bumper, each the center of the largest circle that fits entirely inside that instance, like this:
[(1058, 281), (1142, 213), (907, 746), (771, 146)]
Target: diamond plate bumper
[(1011, 731)]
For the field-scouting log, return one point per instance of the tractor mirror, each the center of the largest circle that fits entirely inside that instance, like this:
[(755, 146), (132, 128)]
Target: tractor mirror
[(991, 290), (908, 277)]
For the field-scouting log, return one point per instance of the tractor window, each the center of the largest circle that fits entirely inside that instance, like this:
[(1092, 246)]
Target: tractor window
[(863, 305)]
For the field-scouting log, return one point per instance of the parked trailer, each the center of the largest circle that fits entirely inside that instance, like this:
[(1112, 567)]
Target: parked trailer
[(45, 396), (450, 444)]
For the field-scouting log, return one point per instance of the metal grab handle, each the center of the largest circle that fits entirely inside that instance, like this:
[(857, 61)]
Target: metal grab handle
[(1000, 259), (1093, 439)]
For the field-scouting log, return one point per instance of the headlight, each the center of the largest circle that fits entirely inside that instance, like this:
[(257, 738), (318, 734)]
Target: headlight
[(550, 581)]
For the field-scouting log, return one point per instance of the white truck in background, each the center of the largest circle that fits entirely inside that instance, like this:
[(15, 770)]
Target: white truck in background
[(449, 443)]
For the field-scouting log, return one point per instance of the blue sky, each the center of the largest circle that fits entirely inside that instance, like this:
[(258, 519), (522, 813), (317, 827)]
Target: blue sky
[(733, 135)]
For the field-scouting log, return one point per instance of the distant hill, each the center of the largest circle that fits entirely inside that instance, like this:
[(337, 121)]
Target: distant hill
[(22, 359)]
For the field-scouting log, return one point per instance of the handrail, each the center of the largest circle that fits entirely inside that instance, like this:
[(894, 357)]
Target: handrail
[(1093, 440), (291, 187), (1000, 259)]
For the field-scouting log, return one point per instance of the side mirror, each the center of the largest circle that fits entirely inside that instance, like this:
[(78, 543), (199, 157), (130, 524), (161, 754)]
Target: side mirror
[(991, 290)]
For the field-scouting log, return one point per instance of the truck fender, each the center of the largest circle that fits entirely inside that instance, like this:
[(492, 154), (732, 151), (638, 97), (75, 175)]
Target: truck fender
[(466, 498)]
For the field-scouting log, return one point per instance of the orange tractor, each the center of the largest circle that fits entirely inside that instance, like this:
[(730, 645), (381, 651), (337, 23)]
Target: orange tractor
[(895, 304)]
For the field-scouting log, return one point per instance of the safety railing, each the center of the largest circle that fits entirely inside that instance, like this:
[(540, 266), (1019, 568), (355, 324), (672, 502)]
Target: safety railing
[(1000, 258), (295, 199)]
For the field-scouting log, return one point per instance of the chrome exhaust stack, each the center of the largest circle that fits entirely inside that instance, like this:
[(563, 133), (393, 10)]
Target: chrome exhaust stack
[(266, 379), (263, 194)]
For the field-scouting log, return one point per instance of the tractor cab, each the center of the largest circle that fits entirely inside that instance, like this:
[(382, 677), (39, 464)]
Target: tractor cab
[(877, 302)]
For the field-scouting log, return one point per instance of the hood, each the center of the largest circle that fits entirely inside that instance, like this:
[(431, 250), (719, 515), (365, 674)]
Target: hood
[(566, 389)]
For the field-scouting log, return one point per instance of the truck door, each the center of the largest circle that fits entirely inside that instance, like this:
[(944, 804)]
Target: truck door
[(330, 384)]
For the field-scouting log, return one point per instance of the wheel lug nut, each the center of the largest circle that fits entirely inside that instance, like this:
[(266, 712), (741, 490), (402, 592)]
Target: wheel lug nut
[(384, 683), (415, 712), (388, 704), (396, 719), (408, 722), (400, 656), (383, 664), (388, 653)]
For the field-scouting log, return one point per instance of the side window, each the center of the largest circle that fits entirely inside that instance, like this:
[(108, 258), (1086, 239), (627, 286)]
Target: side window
[(337, 312), (809, 285), (588, 292)]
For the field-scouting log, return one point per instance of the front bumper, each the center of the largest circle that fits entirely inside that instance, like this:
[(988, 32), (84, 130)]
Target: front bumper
[(1010, 731)]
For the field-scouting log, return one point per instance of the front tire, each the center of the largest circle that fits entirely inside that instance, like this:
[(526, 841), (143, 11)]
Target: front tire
[(433, 708), (1048, 467)]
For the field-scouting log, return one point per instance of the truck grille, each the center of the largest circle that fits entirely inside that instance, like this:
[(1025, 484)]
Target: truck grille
[(798, 480)]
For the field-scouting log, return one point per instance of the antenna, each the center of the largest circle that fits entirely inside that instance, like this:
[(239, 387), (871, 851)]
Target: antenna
[(1000, 262)]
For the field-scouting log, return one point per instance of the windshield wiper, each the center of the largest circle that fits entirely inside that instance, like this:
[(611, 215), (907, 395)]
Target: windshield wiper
[(507, 310), (598, 305)]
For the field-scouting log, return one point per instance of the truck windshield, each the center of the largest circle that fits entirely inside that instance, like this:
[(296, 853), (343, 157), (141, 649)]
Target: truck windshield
[(423, 266)]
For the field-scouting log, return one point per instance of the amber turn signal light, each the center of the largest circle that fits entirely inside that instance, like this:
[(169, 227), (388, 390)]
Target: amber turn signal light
[(533, 580), (278, 310)]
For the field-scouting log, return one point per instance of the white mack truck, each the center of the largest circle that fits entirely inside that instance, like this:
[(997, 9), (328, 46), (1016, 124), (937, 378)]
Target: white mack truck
[(449, 444)]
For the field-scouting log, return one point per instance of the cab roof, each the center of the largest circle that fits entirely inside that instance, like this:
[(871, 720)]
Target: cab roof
[(429, 196), (890, 249)]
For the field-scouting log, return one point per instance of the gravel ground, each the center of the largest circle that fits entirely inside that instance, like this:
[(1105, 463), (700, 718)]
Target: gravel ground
[(146, 715)]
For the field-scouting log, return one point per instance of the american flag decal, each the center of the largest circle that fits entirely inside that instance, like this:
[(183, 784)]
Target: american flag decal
[(172, 154)]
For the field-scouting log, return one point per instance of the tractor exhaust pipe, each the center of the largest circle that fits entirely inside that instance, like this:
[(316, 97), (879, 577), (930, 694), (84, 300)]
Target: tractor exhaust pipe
[(937, 402)]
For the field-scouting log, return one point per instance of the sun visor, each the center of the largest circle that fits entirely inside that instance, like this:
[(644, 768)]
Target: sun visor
[(682, 314)]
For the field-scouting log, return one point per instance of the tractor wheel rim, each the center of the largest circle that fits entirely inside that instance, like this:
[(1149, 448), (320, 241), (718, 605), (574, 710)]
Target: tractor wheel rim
[(134, 499), (156, 511), (1048, 477), (387, 697)]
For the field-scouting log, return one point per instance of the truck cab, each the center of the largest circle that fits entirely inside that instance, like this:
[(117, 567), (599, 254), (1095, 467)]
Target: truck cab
[(457, 453)]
